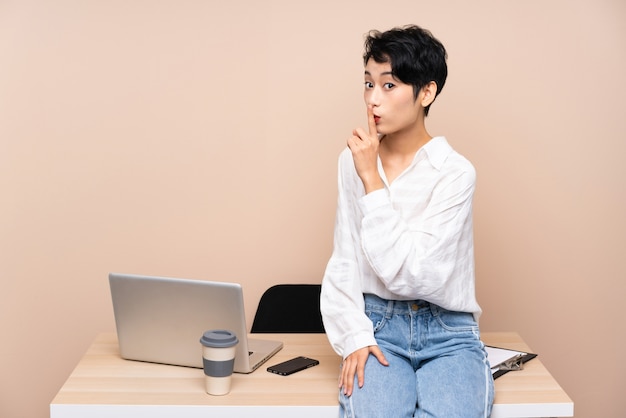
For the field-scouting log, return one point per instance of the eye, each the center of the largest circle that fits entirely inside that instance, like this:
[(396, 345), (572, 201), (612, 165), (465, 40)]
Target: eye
[(369, 84), (389, 86)]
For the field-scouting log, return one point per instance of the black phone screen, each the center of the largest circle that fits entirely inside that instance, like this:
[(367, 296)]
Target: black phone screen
[(291, 366)]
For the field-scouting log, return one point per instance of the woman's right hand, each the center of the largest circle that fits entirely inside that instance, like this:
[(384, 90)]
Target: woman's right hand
[(354, 365), (364, 146)]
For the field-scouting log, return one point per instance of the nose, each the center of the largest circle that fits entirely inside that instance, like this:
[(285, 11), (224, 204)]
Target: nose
[(372, 97)]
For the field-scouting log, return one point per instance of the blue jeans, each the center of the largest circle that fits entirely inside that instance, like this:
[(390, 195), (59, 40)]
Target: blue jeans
[(437, 365)]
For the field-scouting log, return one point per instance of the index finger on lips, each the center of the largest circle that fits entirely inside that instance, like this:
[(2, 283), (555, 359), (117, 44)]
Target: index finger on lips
[(371, 122)]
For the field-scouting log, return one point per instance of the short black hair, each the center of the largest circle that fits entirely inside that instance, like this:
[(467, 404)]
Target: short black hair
[(415, 55)]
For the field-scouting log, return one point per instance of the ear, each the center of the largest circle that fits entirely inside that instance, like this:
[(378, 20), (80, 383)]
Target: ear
[(428, 94)]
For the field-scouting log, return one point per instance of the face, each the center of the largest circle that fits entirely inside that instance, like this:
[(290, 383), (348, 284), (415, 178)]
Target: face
[(394, 105)]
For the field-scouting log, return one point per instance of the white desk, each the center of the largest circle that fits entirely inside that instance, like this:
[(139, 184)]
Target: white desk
[(103, 385)]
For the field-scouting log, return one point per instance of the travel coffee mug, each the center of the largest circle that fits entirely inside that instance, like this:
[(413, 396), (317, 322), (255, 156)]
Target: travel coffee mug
[(218, 355)]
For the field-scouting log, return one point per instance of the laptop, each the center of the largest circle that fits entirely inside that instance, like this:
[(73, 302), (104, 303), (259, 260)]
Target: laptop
[(161, 320)]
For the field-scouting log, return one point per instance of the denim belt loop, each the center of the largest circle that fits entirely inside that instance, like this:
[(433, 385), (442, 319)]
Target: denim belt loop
[(389, 312), (434, 309)]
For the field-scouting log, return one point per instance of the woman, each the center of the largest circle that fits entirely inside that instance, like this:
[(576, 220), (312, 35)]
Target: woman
[(398, 298)]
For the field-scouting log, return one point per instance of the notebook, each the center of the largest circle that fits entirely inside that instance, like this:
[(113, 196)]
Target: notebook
[(161, 320)]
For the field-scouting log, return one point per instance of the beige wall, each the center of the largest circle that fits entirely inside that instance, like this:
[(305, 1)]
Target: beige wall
[(199, 139)]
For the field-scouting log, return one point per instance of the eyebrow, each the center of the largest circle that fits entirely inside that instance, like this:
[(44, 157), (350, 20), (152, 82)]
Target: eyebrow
[(385, 73)]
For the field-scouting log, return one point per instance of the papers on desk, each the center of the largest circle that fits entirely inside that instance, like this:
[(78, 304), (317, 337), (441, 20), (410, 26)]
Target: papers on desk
[(504, 360)]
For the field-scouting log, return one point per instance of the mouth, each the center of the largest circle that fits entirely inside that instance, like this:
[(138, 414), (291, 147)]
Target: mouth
[(376, 119)]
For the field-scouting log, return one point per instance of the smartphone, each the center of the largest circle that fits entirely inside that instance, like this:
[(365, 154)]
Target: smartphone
[(291, 366)]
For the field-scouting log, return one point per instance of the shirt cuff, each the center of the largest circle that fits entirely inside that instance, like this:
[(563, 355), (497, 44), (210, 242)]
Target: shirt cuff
[(374, 200), (357, 342)]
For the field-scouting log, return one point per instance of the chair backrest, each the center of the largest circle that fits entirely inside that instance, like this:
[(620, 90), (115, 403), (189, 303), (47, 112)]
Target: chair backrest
[(289, 308)]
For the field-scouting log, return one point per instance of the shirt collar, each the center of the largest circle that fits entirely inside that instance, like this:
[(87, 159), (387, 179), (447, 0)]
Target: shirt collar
[(436, 150)]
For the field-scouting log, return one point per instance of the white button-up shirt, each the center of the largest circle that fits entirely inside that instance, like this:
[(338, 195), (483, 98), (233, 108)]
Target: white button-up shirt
[(413, 239)]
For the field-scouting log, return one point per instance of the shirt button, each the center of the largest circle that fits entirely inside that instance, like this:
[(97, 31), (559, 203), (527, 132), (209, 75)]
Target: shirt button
[(414, 307)]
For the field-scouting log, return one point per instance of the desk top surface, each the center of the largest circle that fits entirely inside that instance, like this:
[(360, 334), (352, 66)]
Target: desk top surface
[(103, 378)]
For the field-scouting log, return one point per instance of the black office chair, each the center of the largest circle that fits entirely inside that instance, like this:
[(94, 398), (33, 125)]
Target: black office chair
[(289, 308)]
